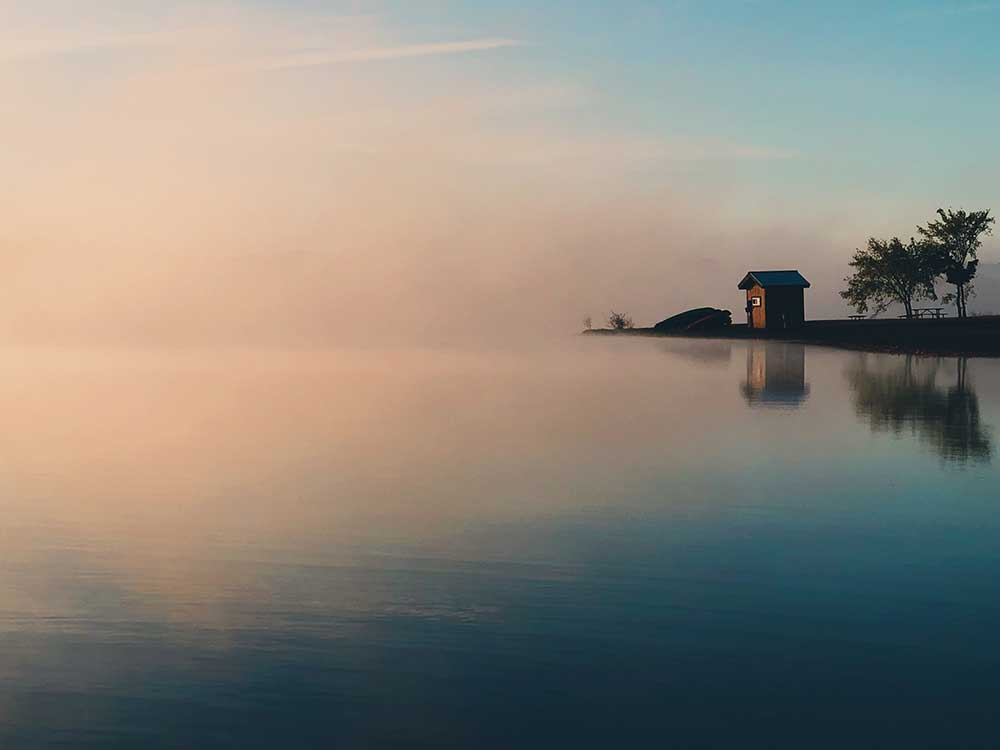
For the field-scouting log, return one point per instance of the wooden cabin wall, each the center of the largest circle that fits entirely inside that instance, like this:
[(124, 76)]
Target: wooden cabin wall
[(758, 314)]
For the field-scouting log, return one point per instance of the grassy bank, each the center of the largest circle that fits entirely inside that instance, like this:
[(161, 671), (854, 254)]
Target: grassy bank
[(978, 336)]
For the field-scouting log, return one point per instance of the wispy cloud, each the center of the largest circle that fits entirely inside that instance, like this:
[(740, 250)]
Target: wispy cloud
[(315, 59), (559, 147), (68, 43)]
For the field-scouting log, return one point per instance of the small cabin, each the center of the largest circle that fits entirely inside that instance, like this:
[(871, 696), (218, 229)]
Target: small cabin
[(775, 299)]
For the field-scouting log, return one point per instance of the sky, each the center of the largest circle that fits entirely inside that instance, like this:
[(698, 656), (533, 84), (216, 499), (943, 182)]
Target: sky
[(304, 173)]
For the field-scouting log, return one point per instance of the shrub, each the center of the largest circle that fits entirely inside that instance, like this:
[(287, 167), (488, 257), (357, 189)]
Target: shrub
[(620, 321)]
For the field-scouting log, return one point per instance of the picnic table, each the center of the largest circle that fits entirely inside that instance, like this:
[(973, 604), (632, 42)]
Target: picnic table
[(928, 312)]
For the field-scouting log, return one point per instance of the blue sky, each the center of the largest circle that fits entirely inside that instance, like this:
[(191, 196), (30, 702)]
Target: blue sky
[(857, 88), (890, 100)]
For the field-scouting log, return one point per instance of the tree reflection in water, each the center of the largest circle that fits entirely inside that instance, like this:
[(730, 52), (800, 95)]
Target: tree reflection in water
[(894, 394)]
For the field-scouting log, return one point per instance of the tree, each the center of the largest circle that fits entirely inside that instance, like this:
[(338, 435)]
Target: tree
[(888, 271), (588, 323), (956, 237), (620, 321)]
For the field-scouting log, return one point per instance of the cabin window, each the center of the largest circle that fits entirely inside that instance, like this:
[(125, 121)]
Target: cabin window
[(755, 301)]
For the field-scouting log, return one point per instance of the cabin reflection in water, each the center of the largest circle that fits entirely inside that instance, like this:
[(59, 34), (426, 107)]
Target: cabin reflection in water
[(906, 393), (776, 375)]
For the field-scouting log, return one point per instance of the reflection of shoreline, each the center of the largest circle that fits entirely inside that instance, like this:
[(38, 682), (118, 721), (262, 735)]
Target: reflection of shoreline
[(907, 394), (776, 375), (705, 350)]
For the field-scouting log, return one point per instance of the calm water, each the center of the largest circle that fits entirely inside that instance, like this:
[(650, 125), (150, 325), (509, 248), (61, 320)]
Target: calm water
[(622, 543)]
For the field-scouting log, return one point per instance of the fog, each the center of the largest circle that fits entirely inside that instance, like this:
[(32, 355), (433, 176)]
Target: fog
[(245, 176)]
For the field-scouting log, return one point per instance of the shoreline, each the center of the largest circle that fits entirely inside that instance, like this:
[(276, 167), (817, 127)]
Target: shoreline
[(968, 337)]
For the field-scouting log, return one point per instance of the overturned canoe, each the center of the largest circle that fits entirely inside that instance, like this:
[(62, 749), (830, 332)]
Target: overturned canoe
[(697, 319)]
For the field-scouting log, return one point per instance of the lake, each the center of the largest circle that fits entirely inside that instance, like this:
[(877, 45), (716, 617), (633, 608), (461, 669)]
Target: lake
[(592, 543)]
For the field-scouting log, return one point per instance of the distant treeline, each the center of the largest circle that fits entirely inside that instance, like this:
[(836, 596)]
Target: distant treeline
[(888, 271)]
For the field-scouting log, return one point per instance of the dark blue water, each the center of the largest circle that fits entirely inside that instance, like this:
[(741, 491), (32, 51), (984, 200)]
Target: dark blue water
[(626, 543)]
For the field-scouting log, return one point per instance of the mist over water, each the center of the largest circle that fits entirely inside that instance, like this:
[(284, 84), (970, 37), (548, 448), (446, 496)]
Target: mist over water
[(582, 543)]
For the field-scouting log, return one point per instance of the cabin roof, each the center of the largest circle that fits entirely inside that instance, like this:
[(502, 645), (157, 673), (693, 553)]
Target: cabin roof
[(767, 279)]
